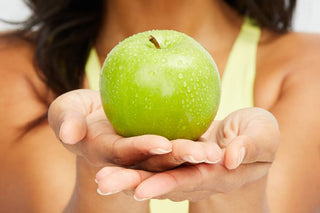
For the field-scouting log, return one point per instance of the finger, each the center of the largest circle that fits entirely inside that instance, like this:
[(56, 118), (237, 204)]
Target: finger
[(105, 171), (103, 145), (123, 151), (73, 128), (165, 182), (196, 152), (67, 114), (213, 152), (112, 180), (146, 144), (202, 177), (236, 152), (245, 149), (249, 135), (184, 151), (227, 130)]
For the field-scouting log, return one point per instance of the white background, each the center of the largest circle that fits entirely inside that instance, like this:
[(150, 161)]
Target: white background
[(307, 16)]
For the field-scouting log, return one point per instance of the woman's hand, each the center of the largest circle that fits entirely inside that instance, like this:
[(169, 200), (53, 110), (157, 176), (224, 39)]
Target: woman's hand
[(250, 138), (79, 122)]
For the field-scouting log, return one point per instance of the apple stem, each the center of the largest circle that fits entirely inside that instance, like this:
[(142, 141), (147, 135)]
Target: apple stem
[(154, 41)]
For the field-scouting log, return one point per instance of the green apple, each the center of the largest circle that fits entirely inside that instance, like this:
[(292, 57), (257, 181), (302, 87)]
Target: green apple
[(160, 82)]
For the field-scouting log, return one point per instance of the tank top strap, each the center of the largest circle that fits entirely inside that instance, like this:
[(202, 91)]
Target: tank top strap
[(239, 75), (92, 69)]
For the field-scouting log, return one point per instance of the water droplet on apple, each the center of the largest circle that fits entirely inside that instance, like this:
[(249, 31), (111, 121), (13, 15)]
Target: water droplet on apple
[(188, 89), (180, 75), (184, 84), (180, 62), (152, 72)]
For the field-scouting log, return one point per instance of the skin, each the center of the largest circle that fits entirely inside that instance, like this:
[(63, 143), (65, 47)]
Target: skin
[(36, 169)]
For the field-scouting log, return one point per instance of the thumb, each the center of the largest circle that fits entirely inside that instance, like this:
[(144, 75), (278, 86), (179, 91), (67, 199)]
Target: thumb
[(236, 152), (67, 115), (249, 135), (249, 149), (72, 127)]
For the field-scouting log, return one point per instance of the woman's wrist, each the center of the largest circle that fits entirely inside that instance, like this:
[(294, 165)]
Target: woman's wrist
[(86, 199), (249, 198)]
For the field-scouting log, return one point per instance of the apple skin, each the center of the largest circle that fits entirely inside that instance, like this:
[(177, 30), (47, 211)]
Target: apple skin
[(173, 91)]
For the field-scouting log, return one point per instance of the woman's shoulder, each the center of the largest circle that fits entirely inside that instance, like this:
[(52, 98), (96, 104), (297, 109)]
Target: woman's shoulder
[(297, 56), (286, 61), (293, 49), (16, 58), (21, 90)]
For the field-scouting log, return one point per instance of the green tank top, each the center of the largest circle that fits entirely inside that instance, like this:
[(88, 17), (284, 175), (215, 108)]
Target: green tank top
[(236, 89)]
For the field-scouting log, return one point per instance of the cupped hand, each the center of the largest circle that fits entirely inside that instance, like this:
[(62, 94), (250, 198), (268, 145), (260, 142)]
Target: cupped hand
[(249, 137), (79, 122)]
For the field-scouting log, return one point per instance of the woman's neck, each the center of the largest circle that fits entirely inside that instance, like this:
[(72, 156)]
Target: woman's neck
[(211, 22)]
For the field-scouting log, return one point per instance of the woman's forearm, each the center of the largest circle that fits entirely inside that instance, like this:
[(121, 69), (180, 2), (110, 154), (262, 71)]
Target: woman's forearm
[(247, 199), (86, 199)]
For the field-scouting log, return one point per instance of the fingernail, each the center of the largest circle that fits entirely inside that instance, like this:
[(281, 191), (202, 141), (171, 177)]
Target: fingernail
[(213, 162), (242, 153), (60, 134), (159, 151), (108, 193), (190, 159), (140, 199)]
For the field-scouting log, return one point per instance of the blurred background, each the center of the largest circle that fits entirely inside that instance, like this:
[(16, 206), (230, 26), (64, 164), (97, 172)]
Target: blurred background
[(307, 16)]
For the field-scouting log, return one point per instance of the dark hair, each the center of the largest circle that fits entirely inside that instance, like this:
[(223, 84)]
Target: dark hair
[(275, 15), (63, 31)]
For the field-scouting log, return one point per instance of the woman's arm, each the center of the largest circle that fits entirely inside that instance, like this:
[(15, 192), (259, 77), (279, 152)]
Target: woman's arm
[(294, 180), (37, 173)]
